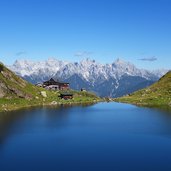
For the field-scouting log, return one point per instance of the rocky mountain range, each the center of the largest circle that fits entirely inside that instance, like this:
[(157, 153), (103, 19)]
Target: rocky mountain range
[(112, 80)]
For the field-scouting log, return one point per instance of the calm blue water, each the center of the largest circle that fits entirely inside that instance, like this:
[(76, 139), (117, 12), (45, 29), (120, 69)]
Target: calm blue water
[(102, 137)]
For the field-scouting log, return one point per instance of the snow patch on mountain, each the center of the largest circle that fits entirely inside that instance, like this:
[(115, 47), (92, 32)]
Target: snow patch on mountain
[(28, 68)]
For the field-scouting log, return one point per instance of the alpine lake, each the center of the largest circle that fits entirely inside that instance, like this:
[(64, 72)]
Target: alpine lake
[(99, 137)]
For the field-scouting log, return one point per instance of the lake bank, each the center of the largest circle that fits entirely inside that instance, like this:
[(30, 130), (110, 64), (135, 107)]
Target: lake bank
[(24, 104), (52, 98), (151, 103)]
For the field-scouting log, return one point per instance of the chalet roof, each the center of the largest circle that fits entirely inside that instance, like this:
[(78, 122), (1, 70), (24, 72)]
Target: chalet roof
[(55, 81), (66, 94)]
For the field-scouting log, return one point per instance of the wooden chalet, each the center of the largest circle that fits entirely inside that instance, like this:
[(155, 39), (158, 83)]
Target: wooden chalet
[(55, 84)]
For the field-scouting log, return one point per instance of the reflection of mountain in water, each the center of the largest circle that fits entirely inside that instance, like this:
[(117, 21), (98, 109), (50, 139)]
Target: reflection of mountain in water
[(11, 122)]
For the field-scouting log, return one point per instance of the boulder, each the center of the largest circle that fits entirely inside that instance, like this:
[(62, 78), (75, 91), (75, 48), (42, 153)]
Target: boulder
[(43, 93), (54, 103)]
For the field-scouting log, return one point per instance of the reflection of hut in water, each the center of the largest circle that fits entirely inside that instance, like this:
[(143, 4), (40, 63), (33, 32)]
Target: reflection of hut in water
[(66, 96)]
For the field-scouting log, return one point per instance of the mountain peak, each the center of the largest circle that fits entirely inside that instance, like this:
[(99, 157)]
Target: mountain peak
[(22, 62), (119, 60), (122, 62), (51, 59), (87, 61)]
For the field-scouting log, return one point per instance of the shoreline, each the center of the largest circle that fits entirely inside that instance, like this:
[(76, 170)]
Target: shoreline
[(51, 104), (145, 105), (8, 108)]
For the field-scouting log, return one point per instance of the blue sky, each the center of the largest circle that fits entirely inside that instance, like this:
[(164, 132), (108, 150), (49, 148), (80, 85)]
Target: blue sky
[(138, 31)]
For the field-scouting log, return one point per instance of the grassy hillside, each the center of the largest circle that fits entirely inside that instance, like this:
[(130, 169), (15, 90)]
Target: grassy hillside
[(16, 93), (12, 86), (158, 94)]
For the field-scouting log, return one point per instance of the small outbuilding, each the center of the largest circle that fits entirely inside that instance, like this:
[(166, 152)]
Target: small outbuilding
[(83, 89), (66, 96)]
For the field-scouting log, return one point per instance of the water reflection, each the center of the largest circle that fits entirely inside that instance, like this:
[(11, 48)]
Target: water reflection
[(6, 122), (10, 122), (94, 137)]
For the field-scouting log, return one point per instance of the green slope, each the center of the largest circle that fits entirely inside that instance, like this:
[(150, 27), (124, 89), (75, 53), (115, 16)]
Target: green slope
[(16, 93), (12, 86), (157, 95)]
